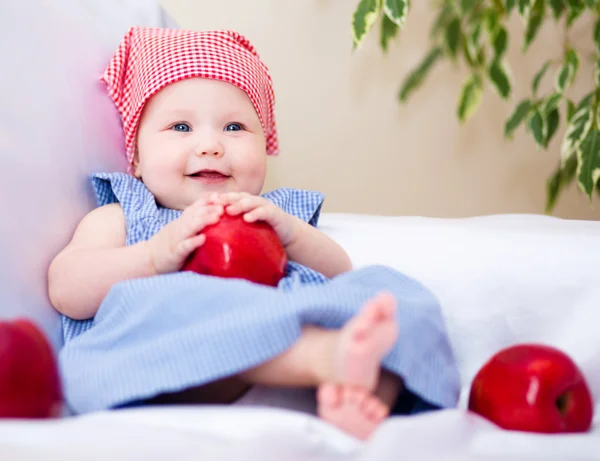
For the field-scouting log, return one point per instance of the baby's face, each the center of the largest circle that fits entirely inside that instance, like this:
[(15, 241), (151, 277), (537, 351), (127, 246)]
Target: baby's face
[(199, 136)]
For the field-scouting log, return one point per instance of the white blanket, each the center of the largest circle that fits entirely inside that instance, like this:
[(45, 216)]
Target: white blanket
[(235, 433), (500, 279)]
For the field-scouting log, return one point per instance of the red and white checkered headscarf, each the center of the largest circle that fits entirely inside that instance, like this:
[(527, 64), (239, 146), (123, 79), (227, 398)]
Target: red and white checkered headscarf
[(148, 59)]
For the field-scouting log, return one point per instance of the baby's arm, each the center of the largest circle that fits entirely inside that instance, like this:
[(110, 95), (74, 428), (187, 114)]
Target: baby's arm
[(312, 248), (96, 258), (304, 244)]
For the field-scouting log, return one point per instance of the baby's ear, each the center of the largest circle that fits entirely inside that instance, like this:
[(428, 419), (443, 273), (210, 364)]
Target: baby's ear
[(135, 163)]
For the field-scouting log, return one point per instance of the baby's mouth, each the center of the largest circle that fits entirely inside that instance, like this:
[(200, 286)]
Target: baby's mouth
[(209, 177), (209, 174)]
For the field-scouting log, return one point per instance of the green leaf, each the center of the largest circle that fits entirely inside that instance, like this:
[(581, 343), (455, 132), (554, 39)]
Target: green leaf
[(470, 51), (417, 76), (564, 77), (558, 7), (525, 7), (509, 6), (467, 5), (597, 35), (442, 20), (551, 102), (498, 5), (538, 77), (570, 110), (491, 21), (500, 43), (597, 74), (588, 156), (553, 118), (388, 31), (576, 8), (500, 80), (396, 11), (577, 130), (517, 118), (363, 19), (453, 36), (538, 126), (561, 177), (534, 21), (586, 101), (572, 59), (470, 97), (476, 32)]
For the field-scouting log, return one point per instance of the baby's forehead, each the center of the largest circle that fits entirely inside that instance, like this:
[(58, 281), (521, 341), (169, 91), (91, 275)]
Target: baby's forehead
[(196, 95)]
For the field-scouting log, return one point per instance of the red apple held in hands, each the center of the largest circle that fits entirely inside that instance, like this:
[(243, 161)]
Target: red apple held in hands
[(532, 388), (29, 380), (235, 248)]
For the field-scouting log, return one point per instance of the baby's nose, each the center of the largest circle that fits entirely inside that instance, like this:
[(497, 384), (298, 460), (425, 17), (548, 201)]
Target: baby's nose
[(213, 150)]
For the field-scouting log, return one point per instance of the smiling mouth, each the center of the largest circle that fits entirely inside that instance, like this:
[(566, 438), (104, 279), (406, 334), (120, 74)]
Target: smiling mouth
[(209, 174), (208, 177)]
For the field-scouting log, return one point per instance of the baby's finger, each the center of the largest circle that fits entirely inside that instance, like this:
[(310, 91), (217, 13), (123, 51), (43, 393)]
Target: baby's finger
[(185, 247), (230, 198), (262, 213), (202, 203), (244, 205), (199, 221), (215, 198), (195, 214)]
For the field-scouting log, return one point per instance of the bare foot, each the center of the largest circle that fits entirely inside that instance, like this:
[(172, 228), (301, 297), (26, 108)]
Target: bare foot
[(364, 341), (352, 409)]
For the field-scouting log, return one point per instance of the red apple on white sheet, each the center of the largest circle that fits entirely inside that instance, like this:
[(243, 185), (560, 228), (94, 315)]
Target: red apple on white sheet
[(532, 388), (30, 384), (235, 248)]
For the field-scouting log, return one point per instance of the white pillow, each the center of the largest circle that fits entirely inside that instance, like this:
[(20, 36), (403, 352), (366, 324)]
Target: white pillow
[(500, 280), (57, 125)]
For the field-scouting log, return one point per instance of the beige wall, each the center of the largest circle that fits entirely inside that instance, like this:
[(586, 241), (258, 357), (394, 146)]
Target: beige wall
[(343, 133)]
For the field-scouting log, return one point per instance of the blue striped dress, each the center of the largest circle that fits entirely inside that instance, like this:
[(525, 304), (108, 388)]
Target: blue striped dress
[(170, 332)]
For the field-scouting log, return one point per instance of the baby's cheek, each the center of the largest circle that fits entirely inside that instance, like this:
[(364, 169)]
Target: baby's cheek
[(256, 174)]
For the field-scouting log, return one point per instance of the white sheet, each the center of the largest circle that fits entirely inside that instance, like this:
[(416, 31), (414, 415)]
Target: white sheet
[(234, 433), (501, 279), (496, 288)]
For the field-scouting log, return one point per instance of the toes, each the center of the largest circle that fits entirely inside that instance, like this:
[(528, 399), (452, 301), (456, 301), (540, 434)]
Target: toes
[(386, 306), (355, 396), (370, 408), (380, 411), (374, 409), (356, 411), (329, 395)]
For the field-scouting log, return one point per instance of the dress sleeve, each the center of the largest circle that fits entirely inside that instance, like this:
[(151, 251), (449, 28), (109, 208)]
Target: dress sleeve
[(303, 204)]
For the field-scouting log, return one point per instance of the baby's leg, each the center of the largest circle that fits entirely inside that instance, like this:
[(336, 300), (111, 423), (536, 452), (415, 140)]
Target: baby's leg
[(349, 356)]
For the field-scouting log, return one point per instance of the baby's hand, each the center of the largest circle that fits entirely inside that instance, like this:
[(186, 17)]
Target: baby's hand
[(256, 208), (172, 245)]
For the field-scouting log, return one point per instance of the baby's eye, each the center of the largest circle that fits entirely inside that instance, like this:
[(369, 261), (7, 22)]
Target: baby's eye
[(233, 127), (183, 127)]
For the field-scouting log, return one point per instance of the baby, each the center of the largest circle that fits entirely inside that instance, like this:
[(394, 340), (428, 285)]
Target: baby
[(197, 110)]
